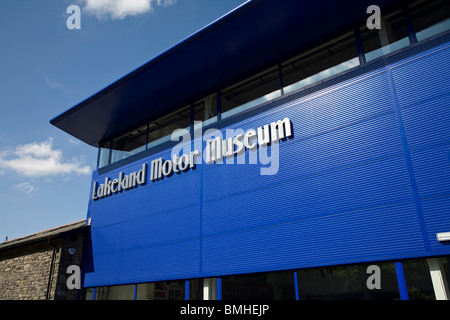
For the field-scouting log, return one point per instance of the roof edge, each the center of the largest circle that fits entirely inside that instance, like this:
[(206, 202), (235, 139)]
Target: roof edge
[(177, 46), (44, 235)]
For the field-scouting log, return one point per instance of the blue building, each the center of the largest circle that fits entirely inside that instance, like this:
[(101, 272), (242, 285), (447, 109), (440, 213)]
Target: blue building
[(286, 151)]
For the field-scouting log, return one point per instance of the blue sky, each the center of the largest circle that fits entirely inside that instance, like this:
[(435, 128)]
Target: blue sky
[(45, 69)]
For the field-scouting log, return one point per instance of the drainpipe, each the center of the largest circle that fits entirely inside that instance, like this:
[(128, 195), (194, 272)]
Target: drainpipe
[(51, 271)]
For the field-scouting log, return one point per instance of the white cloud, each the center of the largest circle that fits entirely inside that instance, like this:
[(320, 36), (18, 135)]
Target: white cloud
[(53, 84), (26, 188), (119, 9), (75, 142), (38, 160)]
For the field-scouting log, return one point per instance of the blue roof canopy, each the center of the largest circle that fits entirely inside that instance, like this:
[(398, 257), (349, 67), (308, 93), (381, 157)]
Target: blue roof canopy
[(255, 35)]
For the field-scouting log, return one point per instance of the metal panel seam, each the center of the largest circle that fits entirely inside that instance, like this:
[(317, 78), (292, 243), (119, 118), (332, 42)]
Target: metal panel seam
[(200, 254), (408, 159)]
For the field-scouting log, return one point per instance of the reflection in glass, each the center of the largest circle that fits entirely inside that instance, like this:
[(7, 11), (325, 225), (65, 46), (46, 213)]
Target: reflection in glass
[(430, 17), (88, 293), (263, 286), (321, 62), (129, 144), (123, 292), (392, 36), (161, 129), (163, 290), (205, 110), (445, 262), (104, 154), (251, 92), (203, 289), (196, 289), (347, 283), (418, 280)]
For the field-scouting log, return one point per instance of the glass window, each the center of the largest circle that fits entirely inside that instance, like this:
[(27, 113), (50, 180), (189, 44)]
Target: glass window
[(205, 109), (251, 92), (263, 286), (203, 289), (392, 36), (88, 293), (347, 282), (129, 144), (104, 154), (164, 290), (418, 280), (124, 292), (321, 62), (439, 277), (161, 129), (446, 272), (196, 289), (430, 17)]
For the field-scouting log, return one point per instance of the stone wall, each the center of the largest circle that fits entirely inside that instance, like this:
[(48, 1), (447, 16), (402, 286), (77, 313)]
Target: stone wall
[(25, 270), (65, 260)]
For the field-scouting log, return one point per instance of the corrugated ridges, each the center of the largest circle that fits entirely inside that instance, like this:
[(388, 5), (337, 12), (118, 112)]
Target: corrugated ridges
[(360, 187), (432, 171), (366, 234), (427, 123), (423, 87), (437, 218), (342, 193), (425, 76), (170, 261)]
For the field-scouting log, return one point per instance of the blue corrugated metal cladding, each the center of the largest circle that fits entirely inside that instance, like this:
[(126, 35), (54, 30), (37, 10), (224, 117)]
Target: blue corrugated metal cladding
[(365, 177)]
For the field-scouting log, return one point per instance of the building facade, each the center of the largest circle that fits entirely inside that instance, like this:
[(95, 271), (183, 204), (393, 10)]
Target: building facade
[(286, 151), (35, 267)]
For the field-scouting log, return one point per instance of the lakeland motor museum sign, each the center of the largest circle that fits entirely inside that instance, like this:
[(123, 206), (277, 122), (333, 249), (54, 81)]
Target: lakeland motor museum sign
[(216, 149)]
